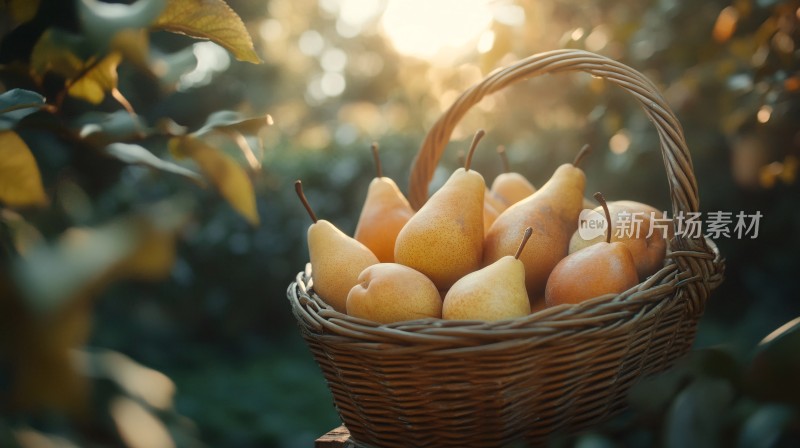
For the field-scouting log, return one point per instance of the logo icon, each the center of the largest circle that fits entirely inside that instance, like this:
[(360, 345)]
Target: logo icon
[(591, 224)]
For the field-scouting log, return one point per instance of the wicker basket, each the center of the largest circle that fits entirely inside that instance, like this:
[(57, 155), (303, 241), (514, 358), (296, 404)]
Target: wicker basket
[(463, 383)]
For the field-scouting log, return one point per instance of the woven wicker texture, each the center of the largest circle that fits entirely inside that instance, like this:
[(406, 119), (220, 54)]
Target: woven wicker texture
[(468, 383)]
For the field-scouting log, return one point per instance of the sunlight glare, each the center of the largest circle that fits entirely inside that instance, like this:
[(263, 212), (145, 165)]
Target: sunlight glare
[(426, 29)]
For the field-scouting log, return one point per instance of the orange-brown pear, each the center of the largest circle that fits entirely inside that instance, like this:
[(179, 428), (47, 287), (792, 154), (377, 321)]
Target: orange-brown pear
[(444, 239), (336, 259), (648, 251), (603, 268), (552, 212), (383, 215)]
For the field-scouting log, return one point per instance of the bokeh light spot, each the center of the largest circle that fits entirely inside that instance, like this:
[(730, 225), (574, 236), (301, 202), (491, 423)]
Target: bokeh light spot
[(619, 142)]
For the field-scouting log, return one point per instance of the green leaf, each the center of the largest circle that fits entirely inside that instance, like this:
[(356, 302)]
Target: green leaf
[(233, 126), (225, 120), (104, 128), (135, 154), (228, 177), (209, 19), (20, 180), (93, 84), (694, 420), (169, 67), (764, 428), (17, 104), (103, 20)]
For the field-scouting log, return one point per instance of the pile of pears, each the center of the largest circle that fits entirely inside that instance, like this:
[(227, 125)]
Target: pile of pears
[(477, 253)]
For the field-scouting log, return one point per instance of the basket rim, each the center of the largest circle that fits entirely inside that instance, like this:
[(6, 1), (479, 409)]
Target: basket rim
[(661, 289)]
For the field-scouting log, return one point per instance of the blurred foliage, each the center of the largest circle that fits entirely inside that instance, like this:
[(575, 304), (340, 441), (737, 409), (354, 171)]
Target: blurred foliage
[(146, 206), (710, 398)]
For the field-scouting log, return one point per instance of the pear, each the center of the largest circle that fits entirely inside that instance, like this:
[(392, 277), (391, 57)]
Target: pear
[(336, 259), (492, 205), (391, 292), (444, 239), (510, 187), (495, 292), (552, 212), (383, 215), (648, 253), (490, 214), (603, 268)]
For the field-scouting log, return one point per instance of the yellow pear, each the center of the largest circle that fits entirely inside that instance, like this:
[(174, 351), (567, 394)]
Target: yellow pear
[(648, 252), (336, 259), (552, 212), (492, 205), (510, 187), (444, 239), (383, 215), (391, 292), (495, 292)]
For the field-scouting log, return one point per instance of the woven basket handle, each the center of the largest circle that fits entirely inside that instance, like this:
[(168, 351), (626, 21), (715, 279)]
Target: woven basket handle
[(678, 162)]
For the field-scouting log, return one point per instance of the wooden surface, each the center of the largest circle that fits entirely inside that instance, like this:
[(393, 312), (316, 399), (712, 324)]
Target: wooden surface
[(336, 438)]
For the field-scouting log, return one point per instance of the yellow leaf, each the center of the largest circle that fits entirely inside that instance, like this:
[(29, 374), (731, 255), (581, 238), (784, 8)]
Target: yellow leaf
[(23, 235), (23, 10), (151, 386), (101, 78), (134, 45), (152, 259), (52, 53), (209, 19), (228, 176), (20, 181), (138, 427)]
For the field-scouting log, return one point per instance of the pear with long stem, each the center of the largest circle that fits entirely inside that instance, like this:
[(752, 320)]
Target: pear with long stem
[(383, 215), (603, 268), (552, 212), (647, 239), (336, 259), (495, 292), (444, 239)]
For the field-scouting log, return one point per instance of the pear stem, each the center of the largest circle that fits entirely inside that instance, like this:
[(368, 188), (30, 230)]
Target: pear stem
[(599, 197), (298, 187), (378, 167), (585, 150), (501, 151), (478, 136), (525, 239)]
